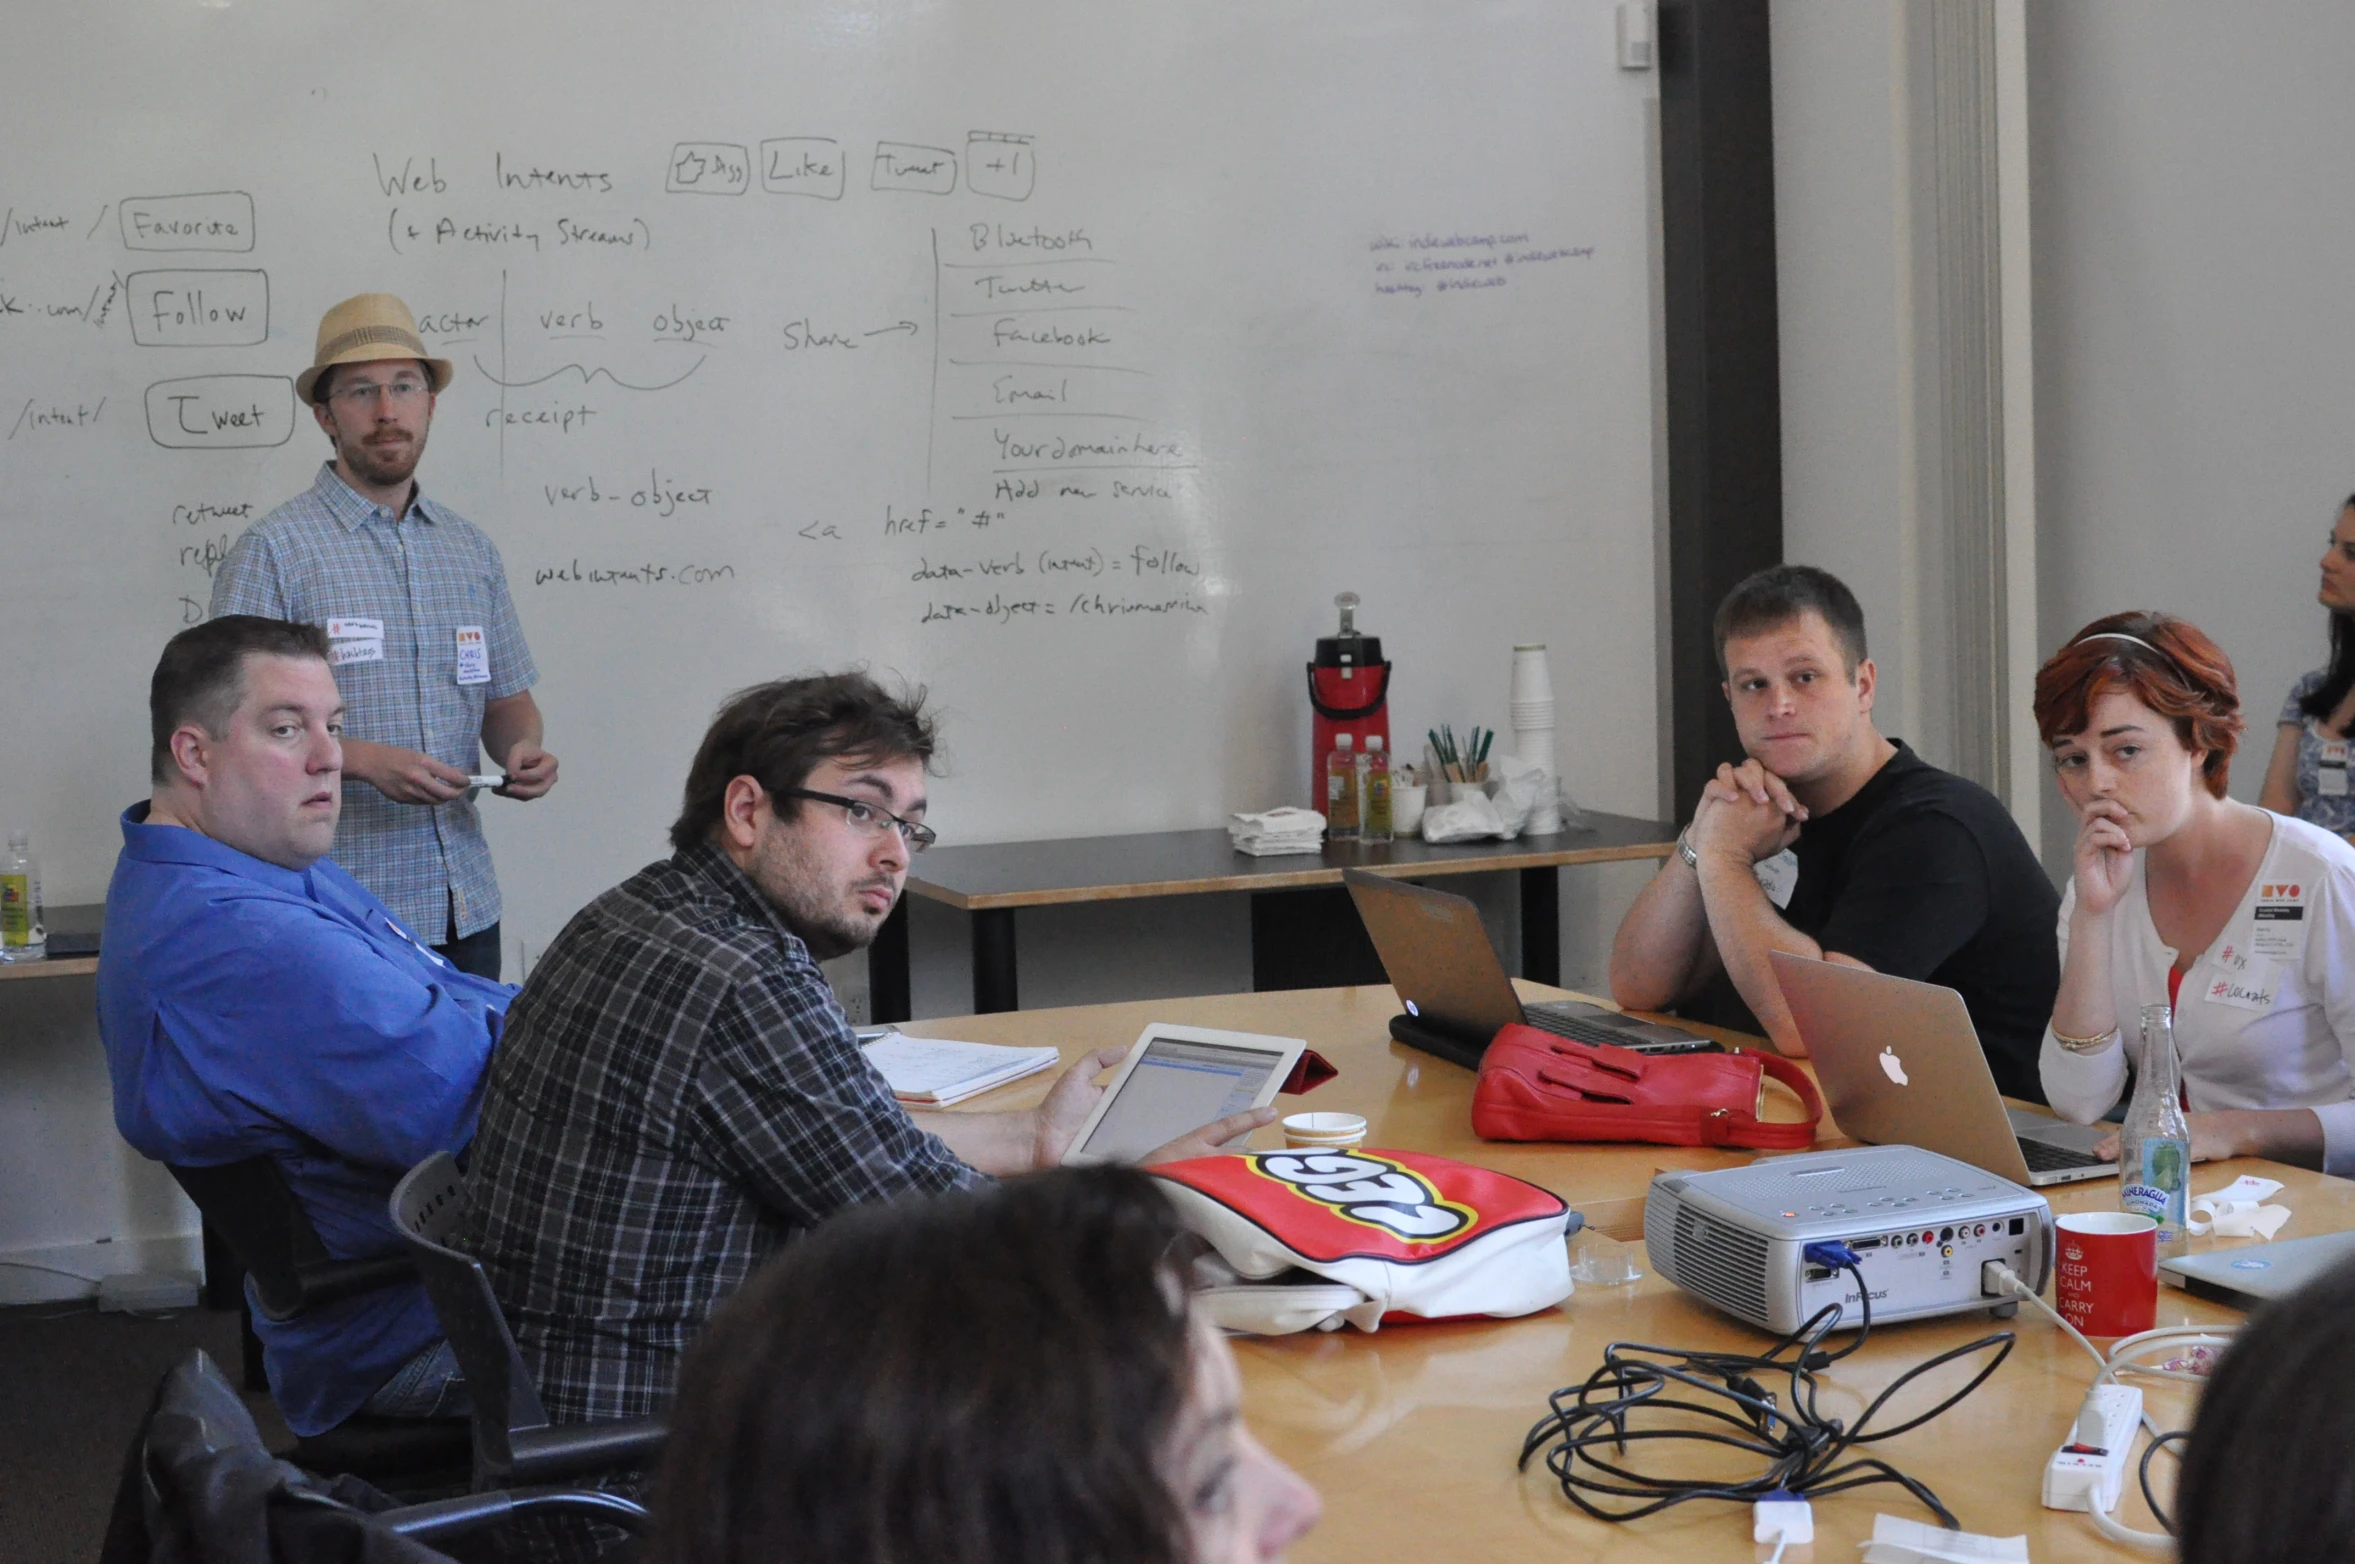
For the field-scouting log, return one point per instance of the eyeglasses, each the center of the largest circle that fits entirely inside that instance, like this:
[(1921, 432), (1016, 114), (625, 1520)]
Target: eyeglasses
[(403, 391), (872, 819)]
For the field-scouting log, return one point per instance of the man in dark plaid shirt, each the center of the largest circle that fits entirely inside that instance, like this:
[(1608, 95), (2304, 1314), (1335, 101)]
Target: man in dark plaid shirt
[(677, 1092)]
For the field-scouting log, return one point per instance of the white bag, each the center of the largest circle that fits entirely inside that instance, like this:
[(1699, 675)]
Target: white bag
[(1320, 1238)]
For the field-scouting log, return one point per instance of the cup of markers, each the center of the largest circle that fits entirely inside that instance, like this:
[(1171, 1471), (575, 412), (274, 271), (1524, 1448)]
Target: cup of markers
[(1452, 764)]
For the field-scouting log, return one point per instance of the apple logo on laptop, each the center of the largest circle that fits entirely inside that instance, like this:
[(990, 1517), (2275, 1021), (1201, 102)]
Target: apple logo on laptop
[(1893, 1067)]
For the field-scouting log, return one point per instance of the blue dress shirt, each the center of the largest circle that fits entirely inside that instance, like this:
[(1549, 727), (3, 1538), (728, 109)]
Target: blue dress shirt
[(249, 1010)]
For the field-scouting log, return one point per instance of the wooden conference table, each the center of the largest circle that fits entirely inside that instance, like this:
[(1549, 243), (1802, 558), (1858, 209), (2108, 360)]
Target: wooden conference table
[(1411, 1434), (992, 880), (78, 920)]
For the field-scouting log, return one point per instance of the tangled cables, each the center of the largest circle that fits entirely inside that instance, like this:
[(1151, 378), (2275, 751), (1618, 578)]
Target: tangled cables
[(1589, 1428)]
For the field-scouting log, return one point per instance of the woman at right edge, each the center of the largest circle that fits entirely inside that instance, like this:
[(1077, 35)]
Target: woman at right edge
[(2316, 736), (2242, 919)]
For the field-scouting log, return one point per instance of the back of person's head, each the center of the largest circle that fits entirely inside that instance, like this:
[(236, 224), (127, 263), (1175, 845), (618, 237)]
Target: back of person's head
[(1771, 598), (2164, 662), (778, 733), (2269, 1473), (200, 678), (980, 1378)]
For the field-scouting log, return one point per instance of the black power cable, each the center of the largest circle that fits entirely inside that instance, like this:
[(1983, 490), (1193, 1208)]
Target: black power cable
[(2159, 1442), (1589, 1427)]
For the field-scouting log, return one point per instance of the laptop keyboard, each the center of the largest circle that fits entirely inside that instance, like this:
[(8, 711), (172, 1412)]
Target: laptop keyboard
[(2045, 1157), (1580, 1029)]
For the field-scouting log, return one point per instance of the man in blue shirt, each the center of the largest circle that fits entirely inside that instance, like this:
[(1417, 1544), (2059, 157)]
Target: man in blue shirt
[(255, 1000)]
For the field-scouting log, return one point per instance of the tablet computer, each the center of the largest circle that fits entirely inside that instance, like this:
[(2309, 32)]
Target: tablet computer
[(1179, 1078)]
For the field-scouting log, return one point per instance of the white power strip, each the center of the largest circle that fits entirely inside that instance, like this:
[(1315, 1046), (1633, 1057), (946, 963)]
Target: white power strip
[(2087, 1472)]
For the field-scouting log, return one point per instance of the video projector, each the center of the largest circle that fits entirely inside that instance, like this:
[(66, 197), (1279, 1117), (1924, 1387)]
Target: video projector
[(1921, 1226)]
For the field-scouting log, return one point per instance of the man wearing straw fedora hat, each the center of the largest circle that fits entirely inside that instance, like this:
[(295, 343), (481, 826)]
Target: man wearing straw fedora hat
[(426, 648)]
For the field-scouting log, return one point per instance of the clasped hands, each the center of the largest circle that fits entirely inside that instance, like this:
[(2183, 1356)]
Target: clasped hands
[(1746, 810)]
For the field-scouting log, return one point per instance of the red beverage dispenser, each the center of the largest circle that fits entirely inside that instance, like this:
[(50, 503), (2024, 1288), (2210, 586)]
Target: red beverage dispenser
[(1349, 690)]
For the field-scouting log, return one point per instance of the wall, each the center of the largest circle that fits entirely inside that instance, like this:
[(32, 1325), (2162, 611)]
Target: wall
[(1843, 200), (2195, 325)]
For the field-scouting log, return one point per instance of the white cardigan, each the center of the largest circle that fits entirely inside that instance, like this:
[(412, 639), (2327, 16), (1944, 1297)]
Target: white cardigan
[(2267, 1013)]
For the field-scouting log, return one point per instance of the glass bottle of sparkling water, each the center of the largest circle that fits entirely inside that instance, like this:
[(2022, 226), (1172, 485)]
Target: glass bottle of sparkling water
[(2154, 1144), (22, 938)]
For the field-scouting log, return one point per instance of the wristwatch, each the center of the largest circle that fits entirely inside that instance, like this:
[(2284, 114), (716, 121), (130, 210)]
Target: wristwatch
[(1684, 848)]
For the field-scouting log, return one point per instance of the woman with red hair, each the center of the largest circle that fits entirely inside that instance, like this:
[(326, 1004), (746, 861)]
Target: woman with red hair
[(2241, 919)]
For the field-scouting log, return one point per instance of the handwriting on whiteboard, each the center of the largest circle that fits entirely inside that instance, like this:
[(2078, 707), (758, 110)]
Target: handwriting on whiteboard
[(1432, 263)]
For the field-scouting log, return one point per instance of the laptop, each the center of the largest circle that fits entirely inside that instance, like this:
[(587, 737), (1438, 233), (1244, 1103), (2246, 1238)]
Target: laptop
[(2246, 1277), (1436, 954), (1900, 1064)]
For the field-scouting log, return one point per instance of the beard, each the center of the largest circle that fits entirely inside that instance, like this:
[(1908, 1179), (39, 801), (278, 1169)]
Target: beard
[(386, 464), (827, 918)]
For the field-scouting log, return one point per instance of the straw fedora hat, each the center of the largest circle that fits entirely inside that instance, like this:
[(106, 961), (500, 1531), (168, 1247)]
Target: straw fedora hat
[(364, 328)]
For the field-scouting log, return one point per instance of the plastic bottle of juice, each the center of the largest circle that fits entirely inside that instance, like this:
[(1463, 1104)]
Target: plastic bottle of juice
[(1341, 791), (22, 938), (1373, 791)]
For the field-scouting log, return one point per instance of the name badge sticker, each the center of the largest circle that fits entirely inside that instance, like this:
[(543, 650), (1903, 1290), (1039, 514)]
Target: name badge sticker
[(2280, 927), (2253, 990), (474, 655), (1778, 876), (354, 641), (2330, 769)]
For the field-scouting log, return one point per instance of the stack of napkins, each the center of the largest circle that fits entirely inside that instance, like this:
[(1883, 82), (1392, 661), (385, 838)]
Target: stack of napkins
[(1277, 831)]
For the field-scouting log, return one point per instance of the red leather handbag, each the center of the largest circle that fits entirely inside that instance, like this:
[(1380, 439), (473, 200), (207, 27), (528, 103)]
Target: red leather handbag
[(1536, 1086)]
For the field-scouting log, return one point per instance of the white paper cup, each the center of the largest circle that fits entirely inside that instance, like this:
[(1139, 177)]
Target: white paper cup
[(1323, 1131), (1406, 807), (1533, 677)]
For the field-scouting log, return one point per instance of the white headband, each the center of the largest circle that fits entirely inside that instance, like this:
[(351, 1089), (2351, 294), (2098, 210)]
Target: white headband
[(2119, 635)]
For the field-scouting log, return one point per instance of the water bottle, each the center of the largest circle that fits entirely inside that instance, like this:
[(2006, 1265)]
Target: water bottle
[(22, 938), (1341, 790), (1373, 791), (2154, 1144)]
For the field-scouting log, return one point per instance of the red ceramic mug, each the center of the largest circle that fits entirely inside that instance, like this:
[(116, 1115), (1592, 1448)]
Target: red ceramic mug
[(2106, 1272)]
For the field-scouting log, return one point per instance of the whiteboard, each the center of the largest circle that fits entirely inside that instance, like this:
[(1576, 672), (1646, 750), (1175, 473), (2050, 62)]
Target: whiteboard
[(1064, 358)]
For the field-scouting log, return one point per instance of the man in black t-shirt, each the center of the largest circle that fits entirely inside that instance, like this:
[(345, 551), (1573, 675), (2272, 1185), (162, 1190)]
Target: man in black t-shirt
[(1831, 841)]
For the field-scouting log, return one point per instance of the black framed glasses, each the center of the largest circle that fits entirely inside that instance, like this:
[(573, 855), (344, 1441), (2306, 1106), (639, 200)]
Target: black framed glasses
[(873, 819)]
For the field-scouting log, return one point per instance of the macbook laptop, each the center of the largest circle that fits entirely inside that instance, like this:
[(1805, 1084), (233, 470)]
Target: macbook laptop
[(1457, 997), (1900, 1064), (2247, 1276)]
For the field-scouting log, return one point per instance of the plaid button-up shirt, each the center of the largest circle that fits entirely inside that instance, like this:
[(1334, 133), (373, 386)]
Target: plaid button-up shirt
[(676, 1094), (328, 555)]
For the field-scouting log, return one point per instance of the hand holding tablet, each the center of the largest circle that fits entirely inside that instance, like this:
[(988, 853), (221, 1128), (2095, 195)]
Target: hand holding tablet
[(1177, 1079)]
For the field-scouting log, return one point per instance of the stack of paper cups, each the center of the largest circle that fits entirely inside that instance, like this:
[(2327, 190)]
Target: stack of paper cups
[(1532, 703)]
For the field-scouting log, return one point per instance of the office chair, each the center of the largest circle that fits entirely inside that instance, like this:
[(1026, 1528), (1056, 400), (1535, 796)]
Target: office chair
[(248, 1206), (198, 1484), (513, 1440)]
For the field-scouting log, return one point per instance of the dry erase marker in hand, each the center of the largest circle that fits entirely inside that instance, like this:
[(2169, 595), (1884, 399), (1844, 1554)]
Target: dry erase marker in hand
[(486, 781)]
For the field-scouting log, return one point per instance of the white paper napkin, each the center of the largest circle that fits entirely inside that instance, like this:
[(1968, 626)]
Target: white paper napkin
[(1897, 1541), (2238, 1210)]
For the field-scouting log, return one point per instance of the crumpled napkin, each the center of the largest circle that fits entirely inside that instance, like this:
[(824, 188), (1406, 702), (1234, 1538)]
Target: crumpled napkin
[(1470, 816), (2238, 1210)]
